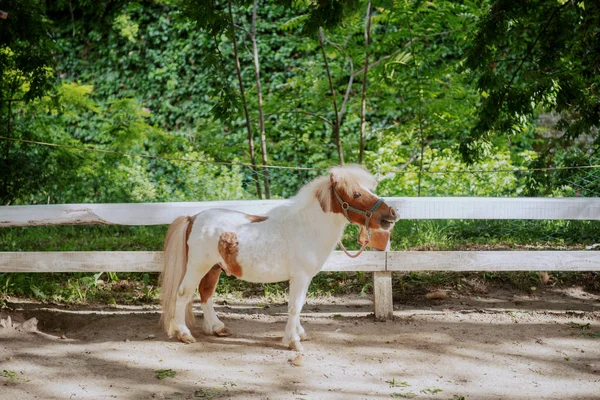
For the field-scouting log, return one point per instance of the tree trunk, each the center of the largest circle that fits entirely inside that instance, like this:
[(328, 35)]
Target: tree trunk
[(336, 125), (238, 70), (261, 114), (363, 101)]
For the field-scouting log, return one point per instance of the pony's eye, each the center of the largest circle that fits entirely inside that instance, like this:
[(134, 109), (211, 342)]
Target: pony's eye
[(356, 195)]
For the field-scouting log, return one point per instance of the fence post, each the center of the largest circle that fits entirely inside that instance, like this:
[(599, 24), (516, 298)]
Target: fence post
[(382, 292)]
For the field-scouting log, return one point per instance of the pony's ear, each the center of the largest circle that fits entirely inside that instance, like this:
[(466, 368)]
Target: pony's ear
[(379, 239)]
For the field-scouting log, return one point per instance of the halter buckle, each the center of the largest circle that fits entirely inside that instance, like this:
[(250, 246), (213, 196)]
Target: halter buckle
[(345, 205)]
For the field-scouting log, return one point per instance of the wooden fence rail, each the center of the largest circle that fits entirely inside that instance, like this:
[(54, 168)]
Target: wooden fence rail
[(409, 207), (381, 264)]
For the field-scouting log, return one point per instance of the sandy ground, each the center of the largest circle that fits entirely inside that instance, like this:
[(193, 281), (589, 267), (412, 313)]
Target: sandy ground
[(498, 347)]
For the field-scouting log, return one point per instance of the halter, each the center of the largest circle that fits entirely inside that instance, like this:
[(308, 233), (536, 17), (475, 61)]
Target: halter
[(368, 214)]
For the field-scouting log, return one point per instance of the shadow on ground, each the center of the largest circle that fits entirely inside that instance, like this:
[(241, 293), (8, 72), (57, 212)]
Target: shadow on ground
[(427, 352)]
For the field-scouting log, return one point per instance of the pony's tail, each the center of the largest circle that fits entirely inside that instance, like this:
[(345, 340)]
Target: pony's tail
[(175, 257)]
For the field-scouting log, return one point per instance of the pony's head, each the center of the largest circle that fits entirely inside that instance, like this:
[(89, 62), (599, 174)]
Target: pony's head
[(349, 192)]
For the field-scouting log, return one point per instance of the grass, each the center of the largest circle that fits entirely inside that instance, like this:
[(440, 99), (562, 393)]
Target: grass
[(82, 238), (139, 288), (494, 234)]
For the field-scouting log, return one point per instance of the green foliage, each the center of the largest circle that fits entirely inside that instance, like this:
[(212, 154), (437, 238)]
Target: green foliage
[(157, 78), (26, 73), (530, 54), (117, 136), (26, 62), (328, 14), (126, 27), (138, 101)]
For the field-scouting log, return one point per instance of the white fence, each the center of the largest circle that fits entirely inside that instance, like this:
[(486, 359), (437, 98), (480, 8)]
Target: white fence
[(380, 263)]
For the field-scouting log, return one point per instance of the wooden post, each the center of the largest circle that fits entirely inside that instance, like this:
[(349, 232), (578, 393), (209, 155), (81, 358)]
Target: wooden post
[(382, 292), (382, 295)]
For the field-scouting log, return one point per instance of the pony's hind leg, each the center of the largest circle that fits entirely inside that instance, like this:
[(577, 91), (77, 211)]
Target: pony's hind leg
[(212, 324), (183, 305)]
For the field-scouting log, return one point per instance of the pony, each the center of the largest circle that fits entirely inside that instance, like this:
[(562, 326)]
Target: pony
[(289, 243)]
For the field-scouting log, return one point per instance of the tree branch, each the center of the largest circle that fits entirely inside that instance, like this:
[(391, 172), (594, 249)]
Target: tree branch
[(261, 114), (303, 112), (393, 173), (363, 98), (407, 44), (529, 52), (336, 127), (420, 103), (342, 111)]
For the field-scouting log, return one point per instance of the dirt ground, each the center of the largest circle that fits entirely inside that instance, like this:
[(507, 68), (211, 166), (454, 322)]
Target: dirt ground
[(501, 346)]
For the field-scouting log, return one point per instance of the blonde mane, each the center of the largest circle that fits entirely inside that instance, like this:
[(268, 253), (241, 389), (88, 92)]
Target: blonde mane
[(347, 179)]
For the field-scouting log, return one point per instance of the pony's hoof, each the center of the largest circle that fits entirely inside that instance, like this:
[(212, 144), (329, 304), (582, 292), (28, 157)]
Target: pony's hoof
[(186, 338), (304, 336), (217, 328), (223, 332)]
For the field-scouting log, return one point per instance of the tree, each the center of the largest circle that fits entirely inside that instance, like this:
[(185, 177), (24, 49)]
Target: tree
[(261, 112), (26, 73), (363, 101), (219, 22), (26, 46), (535, 55)]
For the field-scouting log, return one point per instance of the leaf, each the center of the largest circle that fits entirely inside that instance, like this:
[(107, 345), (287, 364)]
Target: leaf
[(10, 376), (165, 373), (409, 395), (205, 393), (294, 23), (431, 391), (394, 383), (401, 58)]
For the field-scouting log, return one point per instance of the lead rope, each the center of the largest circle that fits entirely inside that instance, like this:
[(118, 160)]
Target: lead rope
[(353, 255), (361, 249)]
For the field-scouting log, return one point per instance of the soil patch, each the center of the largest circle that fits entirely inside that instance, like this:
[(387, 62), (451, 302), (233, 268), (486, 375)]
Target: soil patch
[(496, 347)]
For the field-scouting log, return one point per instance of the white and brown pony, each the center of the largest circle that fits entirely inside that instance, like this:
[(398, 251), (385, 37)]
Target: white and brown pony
[(291, 242)]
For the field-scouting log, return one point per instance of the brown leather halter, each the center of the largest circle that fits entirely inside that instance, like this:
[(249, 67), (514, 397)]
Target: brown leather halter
[(368, 214)]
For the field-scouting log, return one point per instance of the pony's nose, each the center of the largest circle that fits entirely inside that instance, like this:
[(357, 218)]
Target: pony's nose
[(393, 212)]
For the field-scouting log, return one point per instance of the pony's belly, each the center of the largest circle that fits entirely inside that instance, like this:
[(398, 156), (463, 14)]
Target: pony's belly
[(259, 274)]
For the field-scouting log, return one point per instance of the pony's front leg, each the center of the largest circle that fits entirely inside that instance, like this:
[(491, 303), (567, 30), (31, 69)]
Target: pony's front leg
[(293, 330)]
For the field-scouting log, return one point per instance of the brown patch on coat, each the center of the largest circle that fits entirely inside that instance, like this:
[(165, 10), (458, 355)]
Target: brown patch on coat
[(209, 283), (256, 218), (228, 249)]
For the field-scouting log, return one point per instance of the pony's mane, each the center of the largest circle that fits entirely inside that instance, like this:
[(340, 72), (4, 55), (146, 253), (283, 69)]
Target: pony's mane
[(347, 179)]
